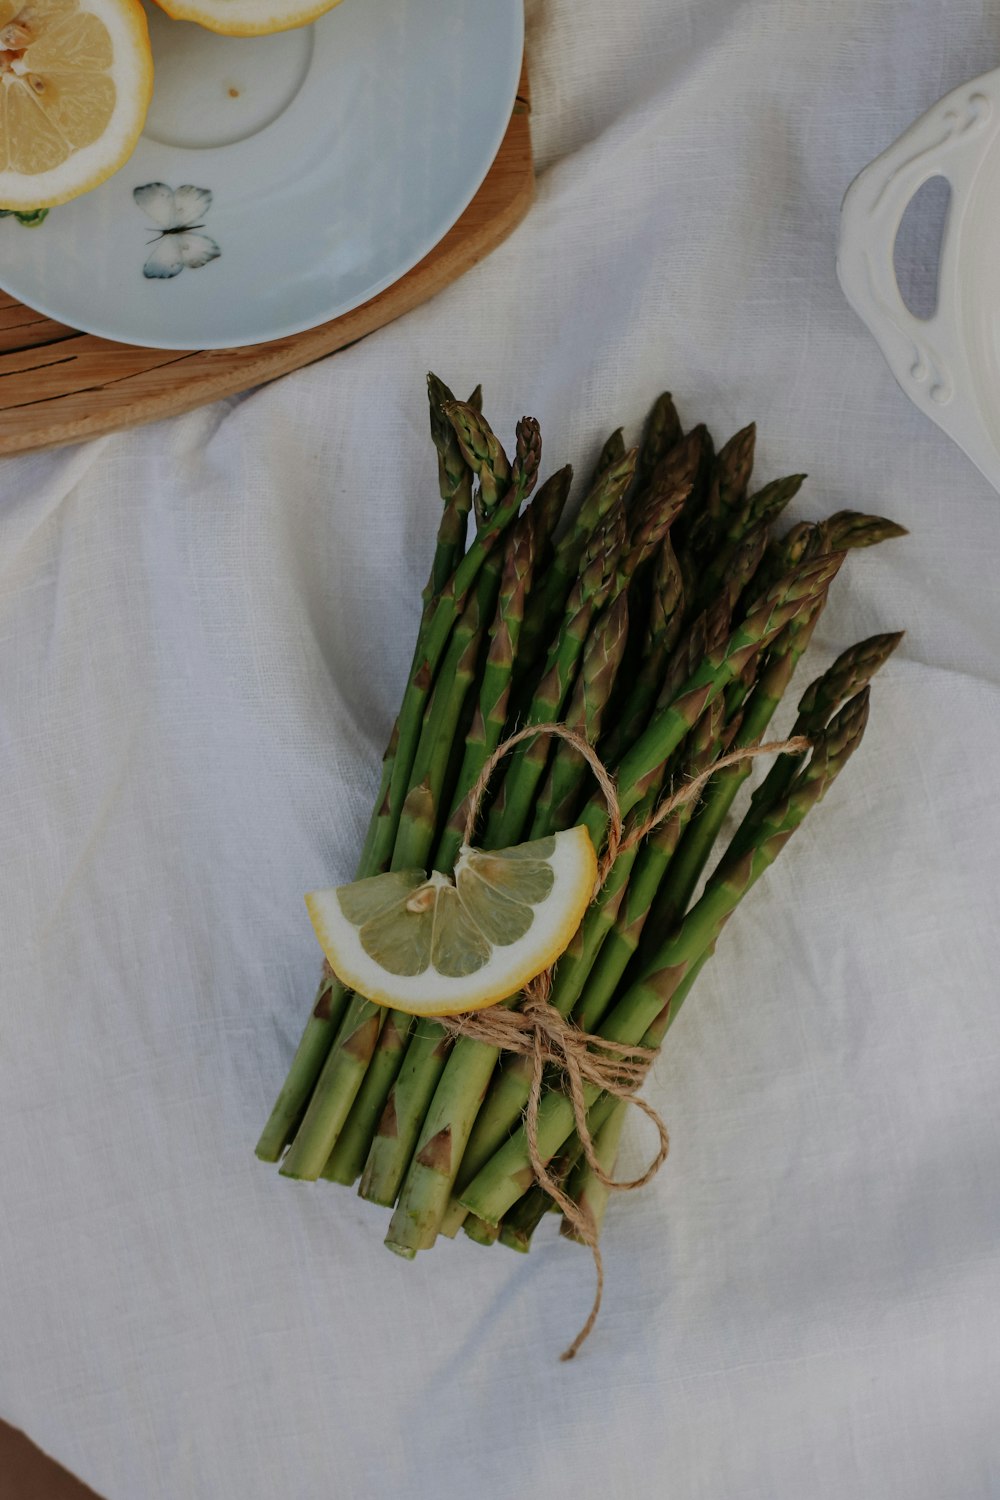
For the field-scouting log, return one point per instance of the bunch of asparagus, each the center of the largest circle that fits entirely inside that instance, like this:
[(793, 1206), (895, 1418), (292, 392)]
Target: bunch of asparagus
[(663, 621)]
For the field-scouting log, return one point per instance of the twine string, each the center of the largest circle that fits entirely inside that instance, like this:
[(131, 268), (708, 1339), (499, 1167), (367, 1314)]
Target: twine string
[(539, 1031)]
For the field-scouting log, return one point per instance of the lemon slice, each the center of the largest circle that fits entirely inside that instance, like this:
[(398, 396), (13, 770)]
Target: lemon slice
[(247, 17), (76, 77), (432, 945)]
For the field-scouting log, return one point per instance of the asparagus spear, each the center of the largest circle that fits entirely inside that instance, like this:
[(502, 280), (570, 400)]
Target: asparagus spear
[(455, 486), (852, 528), (611, 453), (761, 509), (519, 1224), (345, 1064), (709, 739), (581, 1177), (392, 1144), (512, 808), (847, 527), (547, 602), (480, 1232), (504, 501), (663, 432), (483, 455), (547, 507), (851, 671), (348, 1155), (699, 839), (494, 697), (366, 1062), (663, 628), (560, 794), (506, 1176), (415, 841), (586, 1189), (726, 490)]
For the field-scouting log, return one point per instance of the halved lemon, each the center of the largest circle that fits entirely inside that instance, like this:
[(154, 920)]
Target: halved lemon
[(247, 17), (76, 78), (433, 946)]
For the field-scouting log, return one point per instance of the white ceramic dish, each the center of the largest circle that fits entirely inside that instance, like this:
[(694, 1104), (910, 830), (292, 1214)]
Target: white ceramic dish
[(948, 364), (281, 180)]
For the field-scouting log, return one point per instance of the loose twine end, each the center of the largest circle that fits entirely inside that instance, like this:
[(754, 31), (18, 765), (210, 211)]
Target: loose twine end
[(539, 1031)]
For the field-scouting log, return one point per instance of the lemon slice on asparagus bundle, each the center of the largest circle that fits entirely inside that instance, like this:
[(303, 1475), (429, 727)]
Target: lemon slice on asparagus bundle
[(434, 945)]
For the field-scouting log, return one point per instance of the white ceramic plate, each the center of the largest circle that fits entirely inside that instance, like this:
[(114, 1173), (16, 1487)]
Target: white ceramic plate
[(949, 364), (281, 180)]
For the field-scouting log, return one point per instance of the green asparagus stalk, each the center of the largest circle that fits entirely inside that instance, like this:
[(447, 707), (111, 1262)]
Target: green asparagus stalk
[(699, 839), (526, 1212), (343, 1070), (547, 507), (415, 839), (675, 475), (850, 529), (663, 433), (520, 1223), (395, 1137), (418, 835), (502, 1181), (480, 1232), (650, 528), (512, 809), (455, 485), (567, 775), (547, 602), (762, 509), (708, 741), (588, 1191), (852, 670), (662, 632), (492, 710), (803, 541), (483, 455), (348, 1155), (726, 490), (612, 453)]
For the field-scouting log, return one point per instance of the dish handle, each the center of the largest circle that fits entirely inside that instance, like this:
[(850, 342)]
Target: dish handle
[(949, 141)]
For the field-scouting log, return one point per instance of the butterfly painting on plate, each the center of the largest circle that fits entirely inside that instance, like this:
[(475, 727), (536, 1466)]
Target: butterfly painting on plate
[(178, 213)]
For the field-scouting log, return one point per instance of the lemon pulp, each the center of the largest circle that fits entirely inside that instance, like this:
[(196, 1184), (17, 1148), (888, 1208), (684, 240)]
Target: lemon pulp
[(75, 82), (431, 945)]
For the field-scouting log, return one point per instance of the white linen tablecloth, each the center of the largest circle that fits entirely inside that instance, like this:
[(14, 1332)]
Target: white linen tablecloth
[(204, 629)]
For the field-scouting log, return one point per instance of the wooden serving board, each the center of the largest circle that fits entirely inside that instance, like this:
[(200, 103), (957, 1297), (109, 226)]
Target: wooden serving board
[(58, 385)]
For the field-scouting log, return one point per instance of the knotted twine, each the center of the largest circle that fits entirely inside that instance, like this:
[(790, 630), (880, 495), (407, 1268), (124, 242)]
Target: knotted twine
[(536, 1029)]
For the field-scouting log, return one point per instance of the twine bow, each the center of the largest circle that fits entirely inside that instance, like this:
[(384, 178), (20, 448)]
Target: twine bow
[(536, 1029)]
